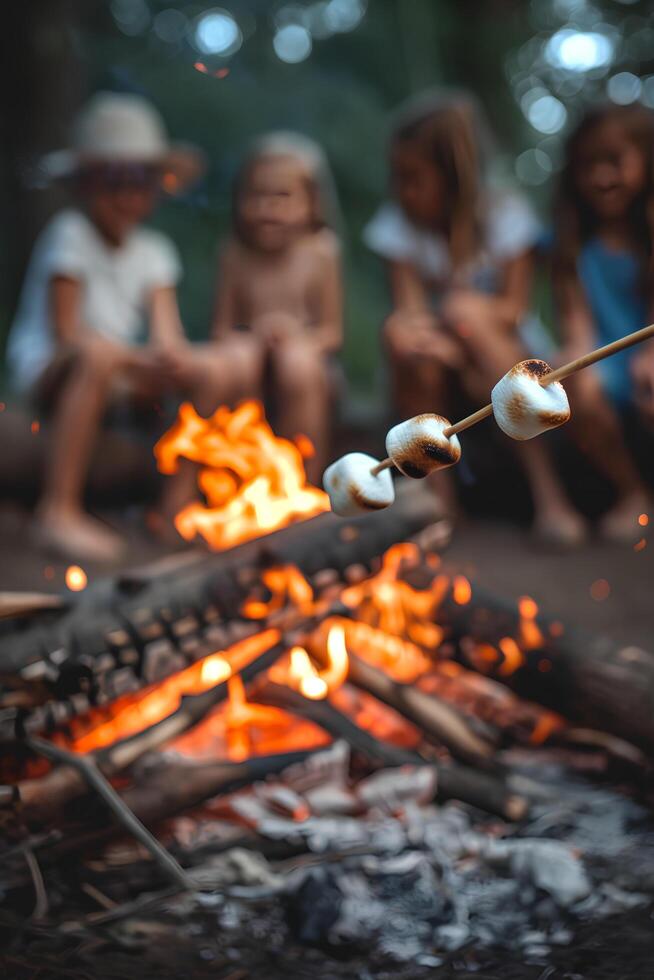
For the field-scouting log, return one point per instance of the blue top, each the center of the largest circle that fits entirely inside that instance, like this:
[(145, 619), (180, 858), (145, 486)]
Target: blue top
[(611, 283)]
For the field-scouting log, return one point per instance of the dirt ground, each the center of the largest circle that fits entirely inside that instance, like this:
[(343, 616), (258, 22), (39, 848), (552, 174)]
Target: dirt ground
[(500, 557)]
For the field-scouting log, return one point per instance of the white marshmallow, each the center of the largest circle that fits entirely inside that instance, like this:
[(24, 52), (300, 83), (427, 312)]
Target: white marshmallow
[(418, 446), (523, 408), (353, 489)]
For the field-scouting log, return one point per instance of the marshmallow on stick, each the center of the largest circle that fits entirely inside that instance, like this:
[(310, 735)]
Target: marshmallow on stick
[(519, 409), (353, 489), (418, 446), (523, 406)]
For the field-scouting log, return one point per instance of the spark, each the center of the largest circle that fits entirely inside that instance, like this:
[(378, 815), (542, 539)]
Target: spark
[(76, 578), (600, 590)]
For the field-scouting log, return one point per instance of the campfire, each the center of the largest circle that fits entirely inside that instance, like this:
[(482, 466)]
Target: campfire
[(253, 481), (312, 687)]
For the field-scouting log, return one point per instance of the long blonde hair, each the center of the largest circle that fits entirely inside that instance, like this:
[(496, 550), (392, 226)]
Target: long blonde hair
[(448, 129)]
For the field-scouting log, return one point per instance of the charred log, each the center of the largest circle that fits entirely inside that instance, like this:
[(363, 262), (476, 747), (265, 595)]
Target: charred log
[(135, 629), (591, 680), (483, 790)]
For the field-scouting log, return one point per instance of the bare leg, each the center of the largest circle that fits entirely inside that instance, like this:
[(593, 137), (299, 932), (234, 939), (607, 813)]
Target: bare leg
[(596, 429), (62, 521), (302, 392), (492, 353), (422, 384)]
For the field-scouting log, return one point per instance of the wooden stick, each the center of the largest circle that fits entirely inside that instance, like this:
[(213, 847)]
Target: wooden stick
[(563, 372), (91, 774)]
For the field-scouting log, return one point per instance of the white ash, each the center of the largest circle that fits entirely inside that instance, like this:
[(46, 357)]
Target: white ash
[(416, 881)]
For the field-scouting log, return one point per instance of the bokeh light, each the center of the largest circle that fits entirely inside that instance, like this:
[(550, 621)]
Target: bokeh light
[(579, 50), (170, 25), (292, 43), (547, 114), (344, 15), (533, 167), (624, 88), (216, 32), (131, 16)]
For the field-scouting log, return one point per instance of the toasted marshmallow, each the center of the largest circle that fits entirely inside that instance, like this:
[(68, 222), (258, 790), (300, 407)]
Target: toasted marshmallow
[(353, 489), (418, 446), (523, 408)]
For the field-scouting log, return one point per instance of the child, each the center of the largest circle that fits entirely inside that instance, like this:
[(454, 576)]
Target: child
[(604, 242), (95, 274), (458, 257), (279, 305)]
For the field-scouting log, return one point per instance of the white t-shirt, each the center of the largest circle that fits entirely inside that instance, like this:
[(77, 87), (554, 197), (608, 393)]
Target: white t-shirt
[(511, 227), (116, 283)]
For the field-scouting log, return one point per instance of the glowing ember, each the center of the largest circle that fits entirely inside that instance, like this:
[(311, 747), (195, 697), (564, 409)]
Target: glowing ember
[(600, 590), (461, 590), (547, 723), (640, 544), (643, 520), (513, 657), (253, 481), (531, 637), (76, 578)]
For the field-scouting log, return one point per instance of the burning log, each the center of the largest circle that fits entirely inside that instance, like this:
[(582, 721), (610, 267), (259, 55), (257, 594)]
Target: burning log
[(133, 630), (42, 799), (454, 782), (433, 716), (588, 679)]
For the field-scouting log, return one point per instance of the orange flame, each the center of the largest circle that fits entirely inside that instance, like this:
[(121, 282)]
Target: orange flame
[(302, 675), (285, 582), (134, 712), (389, 604), (461, 590), (253, 481), (404, 661)]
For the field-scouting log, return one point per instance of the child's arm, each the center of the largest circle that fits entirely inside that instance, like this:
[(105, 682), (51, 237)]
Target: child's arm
[(504, 309), (411, 329), (407, 288), (65, 309), (328, 332), (166, 329), (225, 310), (577, 332)]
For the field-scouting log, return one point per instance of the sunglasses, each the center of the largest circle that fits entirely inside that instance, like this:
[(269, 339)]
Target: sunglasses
[(121, 176)]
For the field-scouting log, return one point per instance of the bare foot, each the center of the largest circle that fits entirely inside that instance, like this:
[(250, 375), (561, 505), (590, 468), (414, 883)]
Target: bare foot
[(77, 536), (620, 523), (560, 528)]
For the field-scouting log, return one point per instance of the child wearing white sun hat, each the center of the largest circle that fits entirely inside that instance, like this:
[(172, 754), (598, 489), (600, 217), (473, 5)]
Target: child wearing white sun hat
[(98, 310)]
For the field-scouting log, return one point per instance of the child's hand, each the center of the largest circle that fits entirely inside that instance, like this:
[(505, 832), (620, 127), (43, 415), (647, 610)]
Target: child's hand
[(410, 333), (466, 307), (642, 373)]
